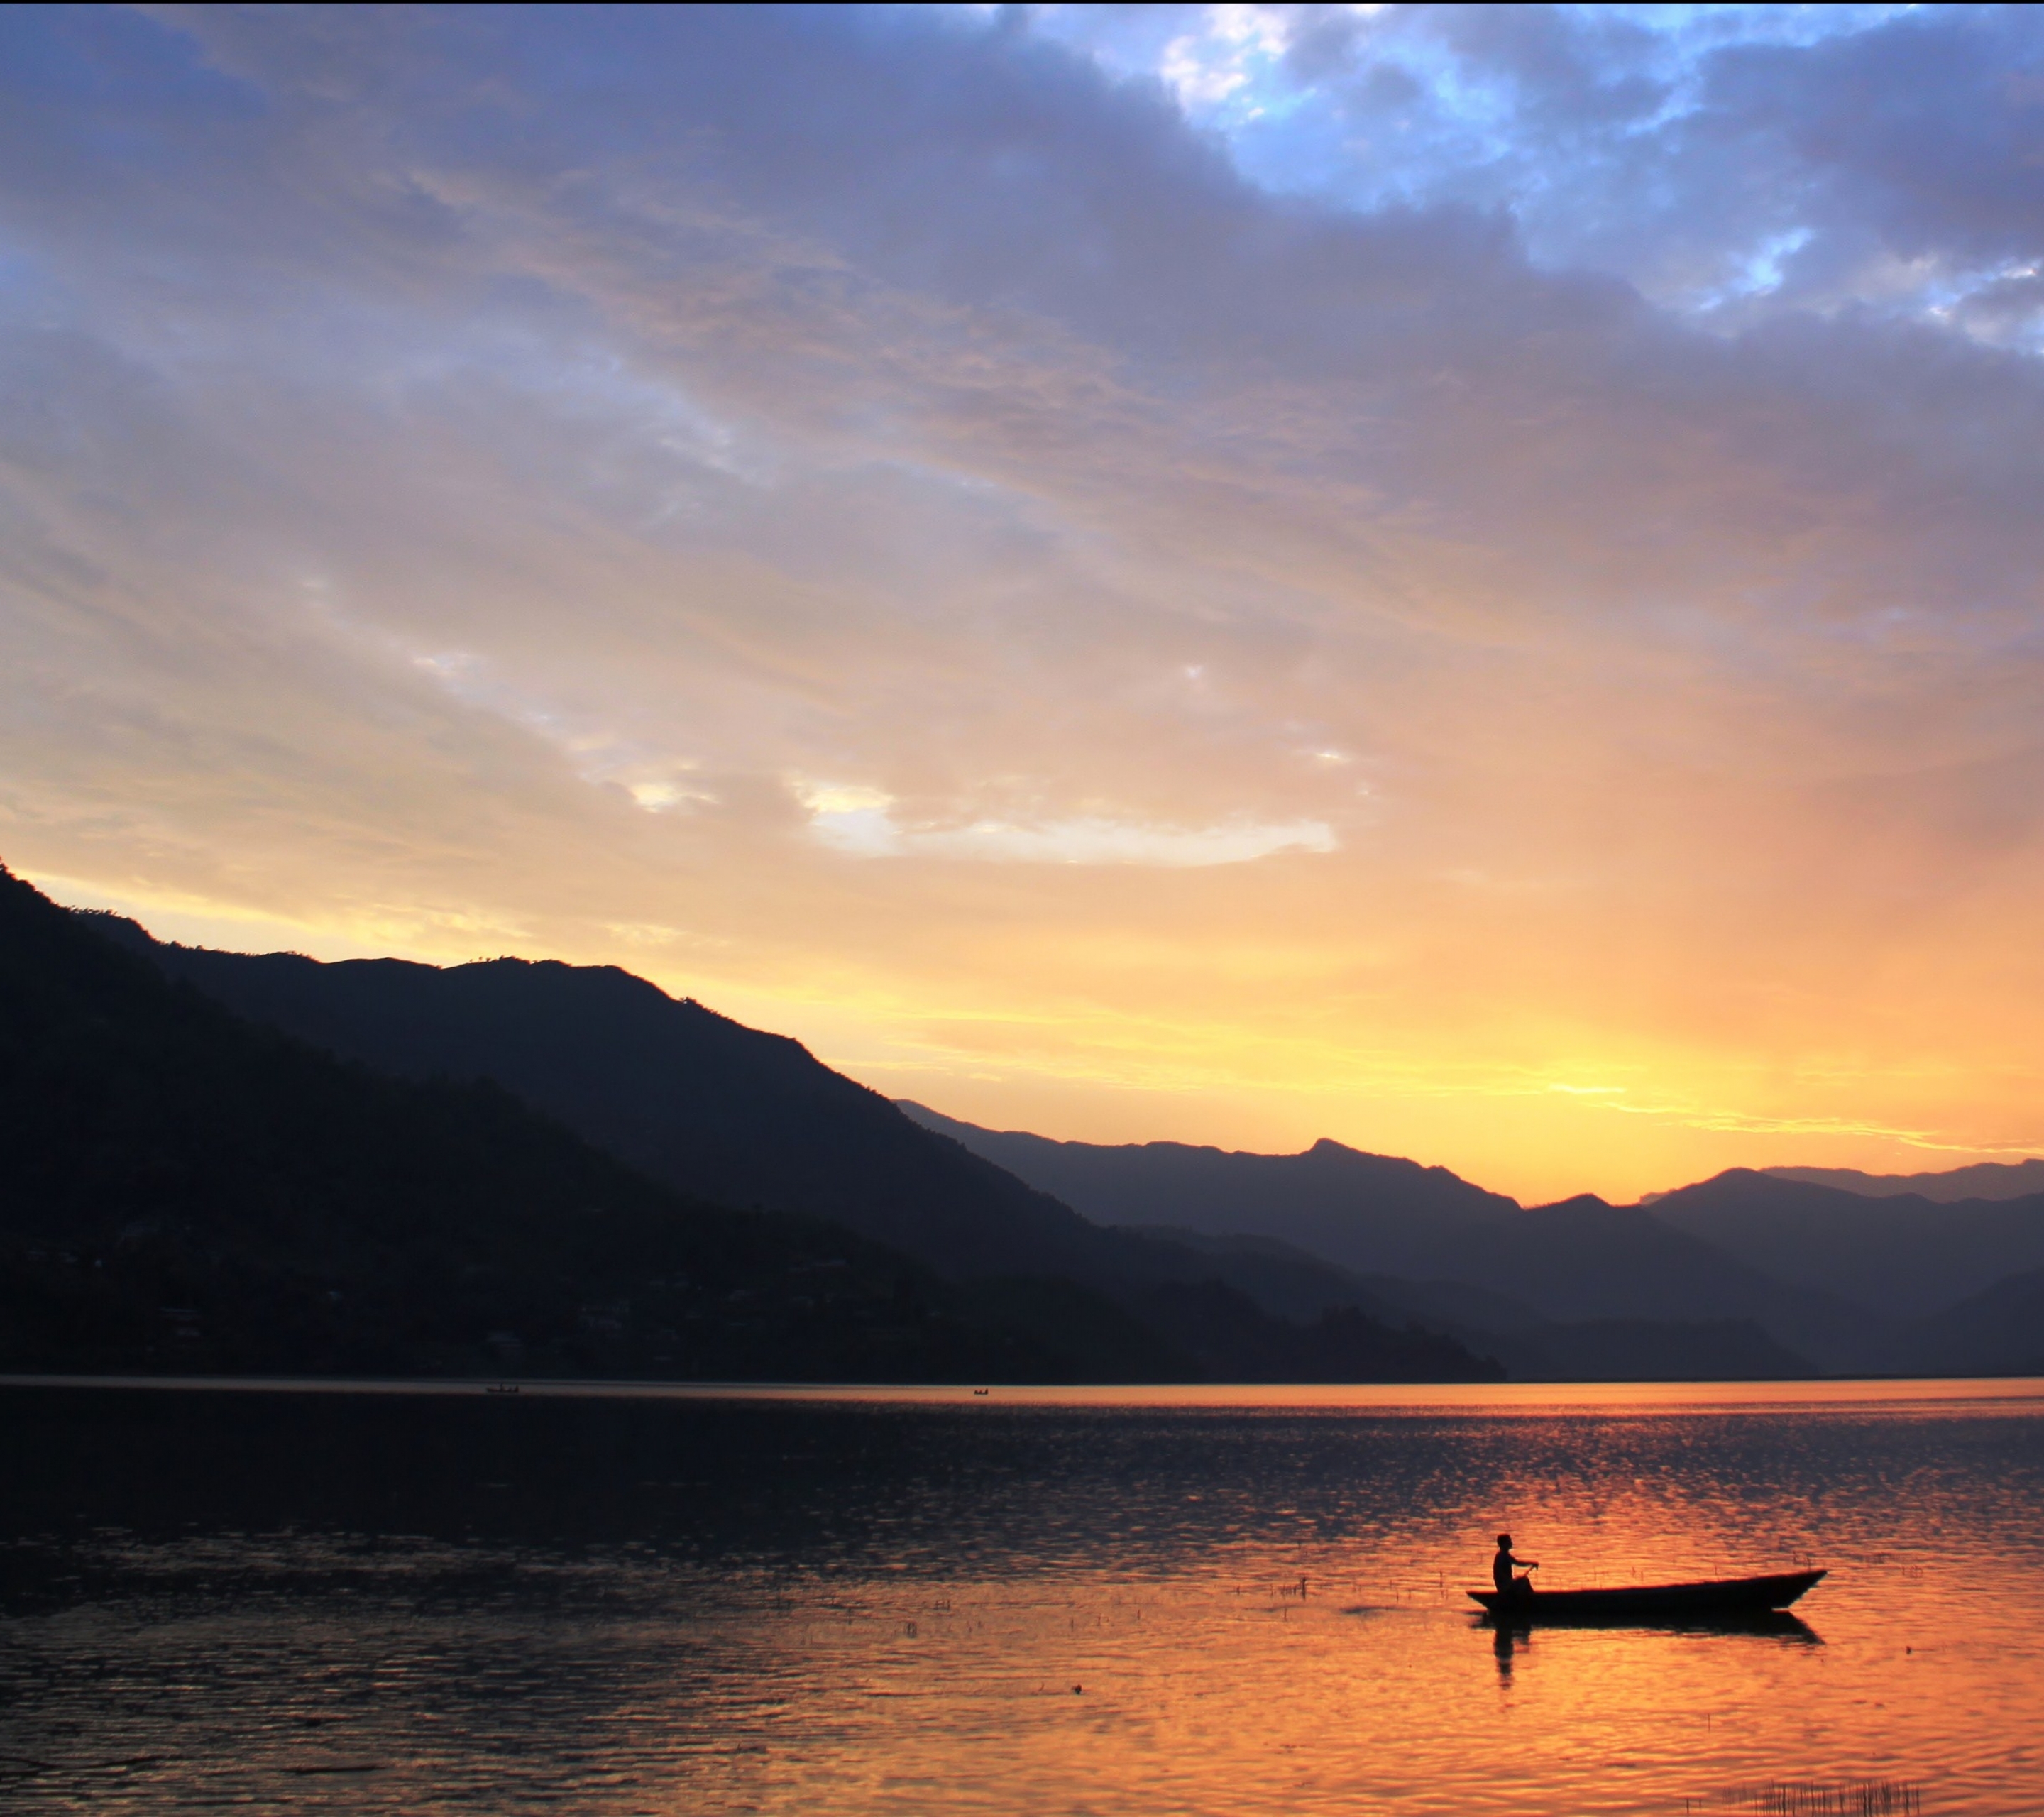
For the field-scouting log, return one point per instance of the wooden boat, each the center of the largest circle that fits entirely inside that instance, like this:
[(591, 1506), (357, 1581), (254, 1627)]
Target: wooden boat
[(1724, 1599)]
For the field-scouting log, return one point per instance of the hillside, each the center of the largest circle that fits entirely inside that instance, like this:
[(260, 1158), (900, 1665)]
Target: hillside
[(704, 1105), (180, 1190), (728, 1113), (1410, 1233), (1583, 1259), (1532, 1346), (1371, 1212), (1984, 1180), (1331, 1262), (1903, 1255), (1997, 1332)]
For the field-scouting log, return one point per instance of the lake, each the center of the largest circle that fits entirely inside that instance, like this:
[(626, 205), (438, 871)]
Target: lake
[(379, 1597)]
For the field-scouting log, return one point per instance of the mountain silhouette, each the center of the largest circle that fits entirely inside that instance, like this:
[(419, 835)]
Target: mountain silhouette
[(1143, 1262), (1373, 1213), (1998, 1331), (1648, 1349), (1903, 1255), (1984, 1180), (1530, 1345), (1583, 1259), (724, 1112), (180, 1190), (1410, 1233), (728, 1113)]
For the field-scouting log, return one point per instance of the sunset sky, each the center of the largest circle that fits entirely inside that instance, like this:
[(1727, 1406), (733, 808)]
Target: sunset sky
[(1470, 581)]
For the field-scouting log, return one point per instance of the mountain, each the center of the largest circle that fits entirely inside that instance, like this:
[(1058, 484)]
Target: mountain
[(1583, 1260), (721, 1112), (1997, 1332), (1205, 1263), (726, 1112), (1987, 1180), (1406, 1232), (1371, 1212), (1532, 1346), (1903, 1255), (1344, 1343), (181, 1190), (1644, 1350)]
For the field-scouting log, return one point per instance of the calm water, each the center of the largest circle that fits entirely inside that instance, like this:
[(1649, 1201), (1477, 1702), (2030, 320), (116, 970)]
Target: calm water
[(418, 1601)]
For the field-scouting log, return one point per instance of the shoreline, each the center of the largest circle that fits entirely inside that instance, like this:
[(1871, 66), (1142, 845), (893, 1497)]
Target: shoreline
[(1502, 1398)]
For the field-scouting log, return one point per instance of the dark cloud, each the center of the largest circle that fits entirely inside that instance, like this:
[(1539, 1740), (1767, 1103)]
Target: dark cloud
[(1928, 129)]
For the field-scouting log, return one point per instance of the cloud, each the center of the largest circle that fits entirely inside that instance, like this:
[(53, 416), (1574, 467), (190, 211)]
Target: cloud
[(862, 822), (889, 502), (1728, 160)]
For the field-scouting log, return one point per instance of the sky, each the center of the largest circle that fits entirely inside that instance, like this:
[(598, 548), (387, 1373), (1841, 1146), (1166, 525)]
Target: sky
[(1469, 581)]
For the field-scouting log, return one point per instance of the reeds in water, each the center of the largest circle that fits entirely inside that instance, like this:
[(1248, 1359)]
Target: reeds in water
[(1820, 1798)]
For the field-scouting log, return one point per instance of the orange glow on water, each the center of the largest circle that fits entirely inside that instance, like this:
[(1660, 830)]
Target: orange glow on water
[(1123, 1602)]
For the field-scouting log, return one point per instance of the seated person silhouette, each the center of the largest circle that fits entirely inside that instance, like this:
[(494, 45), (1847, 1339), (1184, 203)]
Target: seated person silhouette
[(1501, 1569)]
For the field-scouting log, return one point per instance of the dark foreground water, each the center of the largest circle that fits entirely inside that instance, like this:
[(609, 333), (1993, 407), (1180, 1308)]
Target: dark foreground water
[(374, 1601)]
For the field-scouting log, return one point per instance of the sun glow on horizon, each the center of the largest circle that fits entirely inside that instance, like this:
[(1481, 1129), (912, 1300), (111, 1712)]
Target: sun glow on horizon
[(1464, 582), (1080, 1070)]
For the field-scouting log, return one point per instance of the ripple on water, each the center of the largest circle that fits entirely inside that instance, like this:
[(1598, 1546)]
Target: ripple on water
[(703, 1606)]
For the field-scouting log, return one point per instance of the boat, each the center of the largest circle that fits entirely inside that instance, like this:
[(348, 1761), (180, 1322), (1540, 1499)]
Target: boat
[(1721, 1599)]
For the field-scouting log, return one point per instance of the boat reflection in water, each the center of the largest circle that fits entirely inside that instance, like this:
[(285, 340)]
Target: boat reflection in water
[(1512, 1631)]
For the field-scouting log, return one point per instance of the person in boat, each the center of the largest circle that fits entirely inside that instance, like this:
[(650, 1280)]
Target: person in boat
[(1503, 1565)]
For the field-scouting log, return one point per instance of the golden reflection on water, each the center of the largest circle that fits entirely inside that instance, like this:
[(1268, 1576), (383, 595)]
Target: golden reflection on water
[(1095, 1604), (2018, 1394)]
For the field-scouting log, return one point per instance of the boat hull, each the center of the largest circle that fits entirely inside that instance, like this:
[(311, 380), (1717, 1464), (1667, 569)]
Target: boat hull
[(1726, 1598)]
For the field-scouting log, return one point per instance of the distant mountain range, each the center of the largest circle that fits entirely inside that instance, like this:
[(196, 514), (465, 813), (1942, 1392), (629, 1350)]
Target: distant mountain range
[(699, 1112), (728, 1113), (1532, 1346), (182, 1190), (1370, 1213), (1997, 1331), (1414, 1234), (1987, 1180), (1903, 1256), (952, 1250), (1748, 1261)]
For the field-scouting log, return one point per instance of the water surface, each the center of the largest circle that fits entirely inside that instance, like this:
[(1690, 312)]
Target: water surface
[(1111, 1601)]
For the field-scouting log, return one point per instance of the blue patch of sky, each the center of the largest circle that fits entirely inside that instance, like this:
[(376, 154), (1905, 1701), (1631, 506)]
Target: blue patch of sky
[(1762, 270), (1411, 108)]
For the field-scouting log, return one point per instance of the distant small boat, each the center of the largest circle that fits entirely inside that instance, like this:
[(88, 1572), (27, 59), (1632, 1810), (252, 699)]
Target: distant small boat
[(505, 1388), (1724, 1597)]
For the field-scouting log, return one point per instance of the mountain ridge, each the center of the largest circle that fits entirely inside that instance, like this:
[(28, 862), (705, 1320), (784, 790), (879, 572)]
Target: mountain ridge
[(1981, 1180), (1339, 1247), (1846, 1279), (1902, 1255), (1579, 1261), (497, 1018), (1325, 1189), (721, 1112), (182, 1190)]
